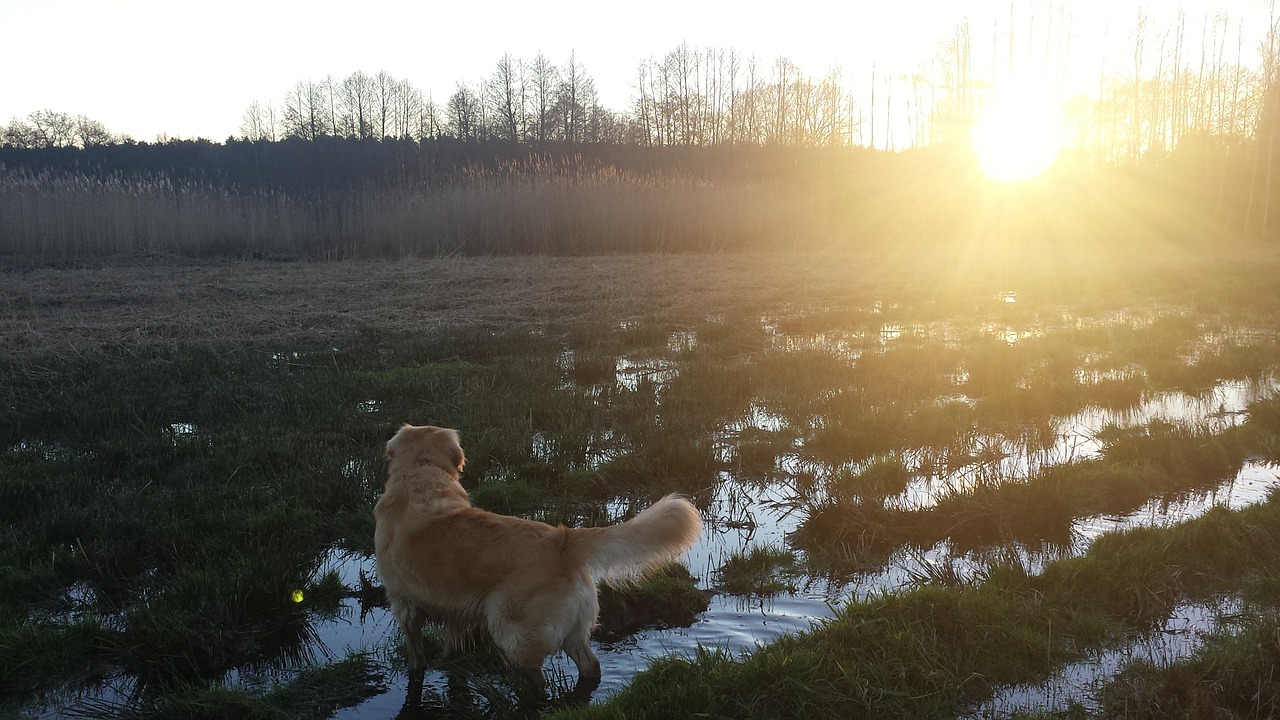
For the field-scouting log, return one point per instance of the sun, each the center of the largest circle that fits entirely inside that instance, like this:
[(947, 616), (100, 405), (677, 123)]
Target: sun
[(1019, 135)]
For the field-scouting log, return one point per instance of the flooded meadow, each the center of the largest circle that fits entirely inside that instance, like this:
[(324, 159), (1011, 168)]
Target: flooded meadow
[(188, 527)]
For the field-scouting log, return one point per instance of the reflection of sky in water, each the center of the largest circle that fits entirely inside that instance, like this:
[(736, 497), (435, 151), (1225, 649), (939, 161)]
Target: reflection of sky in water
[(1181, 634), (1000, 459)]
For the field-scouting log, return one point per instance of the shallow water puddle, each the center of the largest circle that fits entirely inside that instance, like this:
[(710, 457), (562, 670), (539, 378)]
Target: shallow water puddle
[(629, 373), (1218, 408), (1252, 485), (46, 449), (999, 459), (1181, 634)]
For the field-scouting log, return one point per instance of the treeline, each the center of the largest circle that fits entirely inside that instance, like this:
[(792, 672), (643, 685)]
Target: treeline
[(54, 129), (1174, 81), (689, 97), (1213, 79)]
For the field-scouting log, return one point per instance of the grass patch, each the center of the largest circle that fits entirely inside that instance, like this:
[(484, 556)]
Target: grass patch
[(510, 497), (760, 571), (880, 479), (1156, 460), (666, 597), (1231, 676)]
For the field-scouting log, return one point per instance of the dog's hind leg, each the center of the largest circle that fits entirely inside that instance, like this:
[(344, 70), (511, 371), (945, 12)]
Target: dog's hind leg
[(410, 618), (588, 670), (579, 651), (580, 618)]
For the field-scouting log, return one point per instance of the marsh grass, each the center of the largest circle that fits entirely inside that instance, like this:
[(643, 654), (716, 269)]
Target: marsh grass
[(193, 494), (1155, 460), (525, 207), (665, 597), (511, 497), (1231, 676), (882, 478), (161, 503), (761, 571)]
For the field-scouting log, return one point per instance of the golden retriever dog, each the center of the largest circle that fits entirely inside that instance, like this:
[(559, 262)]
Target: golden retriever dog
[(531, 585)]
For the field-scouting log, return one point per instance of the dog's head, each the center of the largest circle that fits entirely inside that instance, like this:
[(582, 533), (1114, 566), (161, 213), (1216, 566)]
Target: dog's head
[(427, 445)]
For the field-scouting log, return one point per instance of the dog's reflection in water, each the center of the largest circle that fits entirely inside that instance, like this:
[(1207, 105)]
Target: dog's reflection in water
[(459, 700)]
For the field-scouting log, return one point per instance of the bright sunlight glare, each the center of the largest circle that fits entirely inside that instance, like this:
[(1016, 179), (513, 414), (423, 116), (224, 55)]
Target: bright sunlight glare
[(1019, 136)]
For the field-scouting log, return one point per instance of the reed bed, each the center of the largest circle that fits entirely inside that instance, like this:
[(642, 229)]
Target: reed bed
[(827, 202), (57, 217)]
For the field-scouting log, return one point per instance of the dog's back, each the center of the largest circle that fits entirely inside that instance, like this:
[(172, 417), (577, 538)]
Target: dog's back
[(449, 562)]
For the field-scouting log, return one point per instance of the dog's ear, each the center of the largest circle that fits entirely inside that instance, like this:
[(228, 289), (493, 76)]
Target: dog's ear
[(456, 455), (391, 444)]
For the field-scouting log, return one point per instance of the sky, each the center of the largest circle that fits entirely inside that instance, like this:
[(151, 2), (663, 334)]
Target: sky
[(185, 69)]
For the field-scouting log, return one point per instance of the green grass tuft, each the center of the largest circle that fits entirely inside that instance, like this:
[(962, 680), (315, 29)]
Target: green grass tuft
[(666, 597), (760, 571)]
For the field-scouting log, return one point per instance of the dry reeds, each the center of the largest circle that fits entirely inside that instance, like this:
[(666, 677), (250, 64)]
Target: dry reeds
[(576, 206), (514, 209)]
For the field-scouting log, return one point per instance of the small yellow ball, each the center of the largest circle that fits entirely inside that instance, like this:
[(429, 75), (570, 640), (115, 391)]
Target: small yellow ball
[(297, 596)]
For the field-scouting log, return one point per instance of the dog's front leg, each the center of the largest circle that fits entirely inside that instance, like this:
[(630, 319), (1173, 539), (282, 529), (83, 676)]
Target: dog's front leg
[(411, 618)]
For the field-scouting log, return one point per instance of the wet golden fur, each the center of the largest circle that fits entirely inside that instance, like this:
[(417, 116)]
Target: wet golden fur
[(533, 586)]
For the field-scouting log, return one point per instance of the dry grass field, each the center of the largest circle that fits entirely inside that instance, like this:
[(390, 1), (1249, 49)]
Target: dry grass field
[(144, 301)]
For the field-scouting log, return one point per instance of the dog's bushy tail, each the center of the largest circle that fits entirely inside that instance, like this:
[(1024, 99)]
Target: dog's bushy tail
[(660, 532)]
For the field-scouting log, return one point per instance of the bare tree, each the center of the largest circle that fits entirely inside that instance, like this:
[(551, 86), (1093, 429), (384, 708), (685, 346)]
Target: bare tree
[(21, 134), (784, 72), (575, 96), (385, 89), (50, 128), (305, 108), (465, 114), (53, 129), (430, 125), (733, 121), (504, 92), (1135, 113), (357, 105), (409, 107), (258, 122), (645, 108), (545, 81), (680, 64), (1268, 127)]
